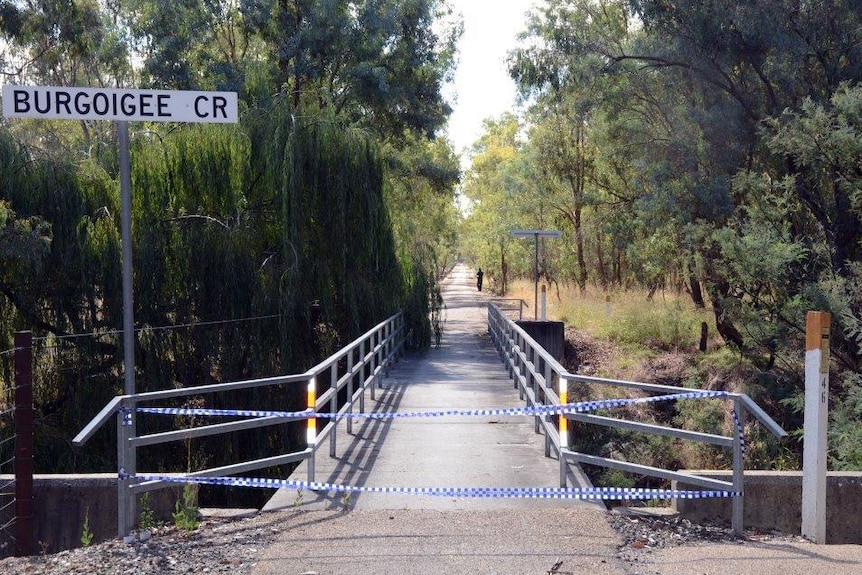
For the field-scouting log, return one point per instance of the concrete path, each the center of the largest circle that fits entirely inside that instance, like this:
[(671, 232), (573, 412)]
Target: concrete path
[(387, 534)]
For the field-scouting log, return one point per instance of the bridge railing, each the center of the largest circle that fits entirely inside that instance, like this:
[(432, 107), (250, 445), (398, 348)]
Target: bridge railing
[(353, 369), (508, 303), (541, 380)]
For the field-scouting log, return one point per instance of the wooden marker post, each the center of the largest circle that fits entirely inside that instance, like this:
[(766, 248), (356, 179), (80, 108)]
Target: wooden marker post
[(815, 449), (544, 303)]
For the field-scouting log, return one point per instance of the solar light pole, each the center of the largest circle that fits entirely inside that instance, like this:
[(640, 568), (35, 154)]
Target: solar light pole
[(536, 234)]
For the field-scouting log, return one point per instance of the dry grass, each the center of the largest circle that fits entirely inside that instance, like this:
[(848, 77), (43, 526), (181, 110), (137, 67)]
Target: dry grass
[(631, 338), (670, 322)]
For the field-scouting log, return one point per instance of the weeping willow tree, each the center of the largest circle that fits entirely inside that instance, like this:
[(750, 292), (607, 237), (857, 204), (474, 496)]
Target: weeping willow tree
[(258, 250), (338, 252), (59, 277)]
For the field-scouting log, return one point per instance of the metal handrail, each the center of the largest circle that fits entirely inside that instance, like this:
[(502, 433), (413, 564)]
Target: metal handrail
[(368, 357), (521, 304), (538, 376)]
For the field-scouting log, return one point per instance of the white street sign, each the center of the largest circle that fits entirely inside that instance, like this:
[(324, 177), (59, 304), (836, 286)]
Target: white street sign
[(48, 102)]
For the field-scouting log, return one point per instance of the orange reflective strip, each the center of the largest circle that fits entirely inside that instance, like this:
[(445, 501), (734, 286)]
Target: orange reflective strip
[(311, 400), (564, 422)]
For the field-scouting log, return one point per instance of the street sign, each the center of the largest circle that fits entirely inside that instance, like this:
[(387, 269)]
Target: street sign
[(62, 103), (536, 233)]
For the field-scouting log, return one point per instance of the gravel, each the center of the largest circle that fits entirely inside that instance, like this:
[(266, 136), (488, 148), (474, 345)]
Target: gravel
[(234, 546), (657, 532), (217, 546), (643, 533)]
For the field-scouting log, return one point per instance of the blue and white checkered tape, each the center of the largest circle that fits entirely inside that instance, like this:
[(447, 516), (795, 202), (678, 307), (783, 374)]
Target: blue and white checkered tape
[(575, 493), (538, 410)]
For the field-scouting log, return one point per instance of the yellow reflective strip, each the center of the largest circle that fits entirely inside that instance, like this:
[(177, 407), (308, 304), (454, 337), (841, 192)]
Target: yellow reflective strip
[(311, 400), (564, 422)]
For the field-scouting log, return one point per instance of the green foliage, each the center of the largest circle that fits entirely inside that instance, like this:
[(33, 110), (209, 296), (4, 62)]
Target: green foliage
[(845, 432), (495, 183), (186, 514), (615, 478), (380, 63), (422, 308), (147, 519), (86, 533), (710, 147), (420, 199), (256, 221), (301, 204)]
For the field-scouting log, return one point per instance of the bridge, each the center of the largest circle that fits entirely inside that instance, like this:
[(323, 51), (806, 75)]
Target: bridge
[(447, 462), (494, 450)]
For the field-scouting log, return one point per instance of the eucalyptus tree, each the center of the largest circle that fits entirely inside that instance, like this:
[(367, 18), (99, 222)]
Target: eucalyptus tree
[(764, 57), (379, 62), (728, 131), (63, 44), (693, 81), (498, 190), (423, 175), (568, 85), (205, 44), (563, 156), (748, 62)]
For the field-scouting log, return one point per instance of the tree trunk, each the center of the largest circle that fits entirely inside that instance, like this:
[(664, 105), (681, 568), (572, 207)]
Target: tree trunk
[(603, 272), (723, 324), (579, 206), (504, 268), (579, 244), (696, 291)]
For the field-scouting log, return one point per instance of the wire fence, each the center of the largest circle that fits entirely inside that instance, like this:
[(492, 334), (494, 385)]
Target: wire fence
[(72, 372), (7, 450)]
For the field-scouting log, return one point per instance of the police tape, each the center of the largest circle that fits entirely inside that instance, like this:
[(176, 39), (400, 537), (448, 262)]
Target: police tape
[(740, 432), (537, 410), (574, 493)]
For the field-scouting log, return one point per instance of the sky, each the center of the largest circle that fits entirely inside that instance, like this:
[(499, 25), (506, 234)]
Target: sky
[(482, 85)]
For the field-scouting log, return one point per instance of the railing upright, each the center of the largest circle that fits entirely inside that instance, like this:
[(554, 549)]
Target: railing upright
[(563, 424), (372, 365), (333, 406), (738, 466), (311, 429), (362, 375), (127, 465), (549, 376), (350, 380)]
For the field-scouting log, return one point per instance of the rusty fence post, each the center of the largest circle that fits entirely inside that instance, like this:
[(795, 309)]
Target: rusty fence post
[(24, 442)]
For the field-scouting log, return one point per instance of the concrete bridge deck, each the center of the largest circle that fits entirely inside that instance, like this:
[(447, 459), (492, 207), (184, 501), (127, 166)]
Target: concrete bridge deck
[(464, 372), (406, 534)]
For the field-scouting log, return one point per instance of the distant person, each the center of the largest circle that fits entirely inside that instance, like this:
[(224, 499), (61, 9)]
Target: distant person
[(479, 275)]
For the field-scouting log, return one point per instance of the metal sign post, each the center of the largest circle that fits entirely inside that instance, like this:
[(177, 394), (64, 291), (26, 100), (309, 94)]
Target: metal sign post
[(536, 234), (126, 232)]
